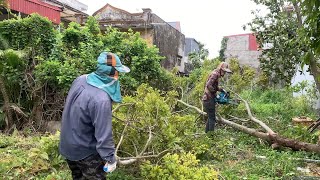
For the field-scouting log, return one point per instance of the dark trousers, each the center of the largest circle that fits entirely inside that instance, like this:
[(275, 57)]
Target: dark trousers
[(210, 108), (88, 168)]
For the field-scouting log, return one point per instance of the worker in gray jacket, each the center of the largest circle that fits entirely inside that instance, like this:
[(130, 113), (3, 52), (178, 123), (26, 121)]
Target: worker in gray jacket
[(86, 134)]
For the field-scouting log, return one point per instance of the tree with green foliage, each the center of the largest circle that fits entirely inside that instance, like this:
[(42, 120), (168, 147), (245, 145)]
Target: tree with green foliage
[(310, 30), (223, 48), (143, 61), (292, 41), (35, 36), (242, 77), (54, 59)]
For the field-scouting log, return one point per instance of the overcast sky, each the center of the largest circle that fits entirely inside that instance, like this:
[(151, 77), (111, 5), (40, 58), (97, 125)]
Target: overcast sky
[(206, 21)]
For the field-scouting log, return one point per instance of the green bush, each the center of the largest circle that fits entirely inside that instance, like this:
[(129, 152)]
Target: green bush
[(175, 166), (34, 33)]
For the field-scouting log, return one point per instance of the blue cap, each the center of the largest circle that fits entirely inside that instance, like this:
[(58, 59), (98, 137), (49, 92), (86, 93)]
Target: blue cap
[(113, 60)]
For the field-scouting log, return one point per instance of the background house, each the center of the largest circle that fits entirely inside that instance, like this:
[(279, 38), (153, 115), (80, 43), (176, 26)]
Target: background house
[(191, 45), (71, 10), (244, 47), (55, 10), (170, 41), (175, 25)]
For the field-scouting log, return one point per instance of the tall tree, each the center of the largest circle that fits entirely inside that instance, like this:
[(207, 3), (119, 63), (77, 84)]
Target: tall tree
[(310, 29), (223, 49), (288, 37)]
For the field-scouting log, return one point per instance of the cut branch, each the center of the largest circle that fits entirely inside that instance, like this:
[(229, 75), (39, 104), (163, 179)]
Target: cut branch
[(120, 105), (18, 110), (193, 107), (262, 124), (272, 138), (237, 118), (126, 162), (147, 143), (145, 157), (121, 138), (130, 160)]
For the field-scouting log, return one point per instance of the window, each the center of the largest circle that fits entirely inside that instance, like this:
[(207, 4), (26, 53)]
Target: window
[(179, 58)]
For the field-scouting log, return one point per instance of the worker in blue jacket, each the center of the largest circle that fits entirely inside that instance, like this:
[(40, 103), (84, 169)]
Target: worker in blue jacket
[(86, 133)]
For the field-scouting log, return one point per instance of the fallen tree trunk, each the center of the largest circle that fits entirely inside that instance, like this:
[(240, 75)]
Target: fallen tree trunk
[(271, 137), (281, 141)]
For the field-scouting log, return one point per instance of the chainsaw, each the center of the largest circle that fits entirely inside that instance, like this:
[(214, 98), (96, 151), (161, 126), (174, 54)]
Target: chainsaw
[(224, 98)]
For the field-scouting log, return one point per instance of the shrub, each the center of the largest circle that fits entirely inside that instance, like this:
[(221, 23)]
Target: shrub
[(178, 166)]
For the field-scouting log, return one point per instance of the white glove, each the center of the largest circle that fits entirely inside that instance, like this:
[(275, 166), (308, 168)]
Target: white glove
[(110, 167)]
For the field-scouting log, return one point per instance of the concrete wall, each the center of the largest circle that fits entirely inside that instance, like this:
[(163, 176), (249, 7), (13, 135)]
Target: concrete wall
[(147, 34), (170, 42), (191, 46), (238, 47)]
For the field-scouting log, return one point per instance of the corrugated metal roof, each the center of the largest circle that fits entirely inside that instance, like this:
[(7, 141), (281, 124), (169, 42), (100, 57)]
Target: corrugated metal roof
[(36, 6)]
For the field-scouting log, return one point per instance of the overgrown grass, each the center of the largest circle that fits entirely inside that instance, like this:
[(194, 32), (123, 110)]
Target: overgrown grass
[(37, 157), (230, 153), (32, 157), (251, 158), (233, 154)]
